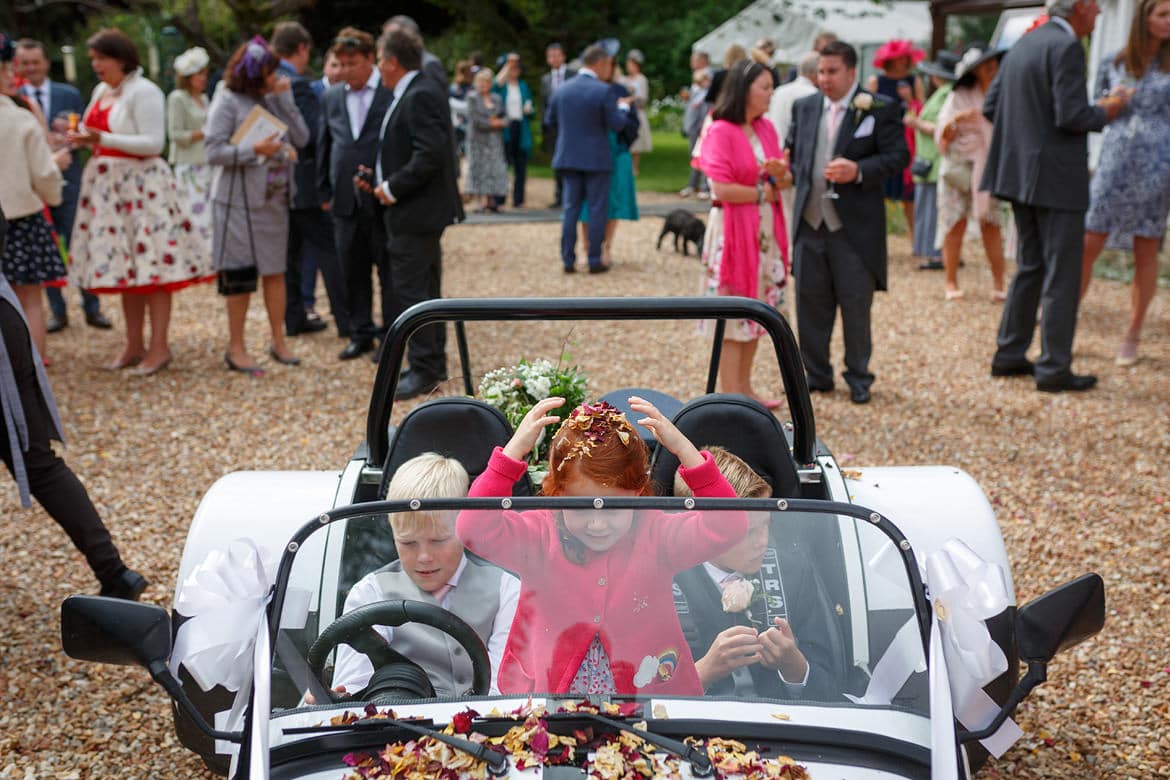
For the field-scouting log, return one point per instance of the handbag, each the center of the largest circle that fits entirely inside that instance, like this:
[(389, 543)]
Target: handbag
[(956, 173), (236, 281), (921, 167)]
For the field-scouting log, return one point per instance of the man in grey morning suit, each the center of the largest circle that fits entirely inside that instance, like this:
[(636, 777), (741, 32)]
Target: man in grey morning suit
[(1039, 161), (843, 142)]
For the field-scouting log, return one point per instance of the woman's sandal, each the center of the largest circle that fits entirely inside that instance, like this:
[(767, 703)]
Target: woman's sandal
[(955, 295), (999, 296), (289, 361), (252, 371)]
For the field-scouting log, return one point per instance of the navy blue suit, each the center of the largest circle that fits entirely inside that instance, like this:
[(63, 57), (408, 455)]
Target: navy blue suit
[(64, 98), (584, 110), (310, 239)]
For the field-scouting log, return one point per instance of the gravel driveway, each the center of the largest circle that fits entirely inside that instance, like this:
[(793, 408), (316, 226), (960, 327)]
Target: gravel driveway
[(1077, 481)]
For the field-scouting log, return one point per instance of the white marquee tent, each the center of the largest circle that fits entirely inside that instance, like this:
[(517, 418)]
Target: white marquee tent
[(793, 24)]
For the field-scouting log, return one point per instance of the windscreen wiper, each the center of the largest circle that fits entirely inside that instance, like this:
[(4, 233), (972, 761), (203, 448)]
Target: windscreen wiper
[(697, 756), (497, 762)]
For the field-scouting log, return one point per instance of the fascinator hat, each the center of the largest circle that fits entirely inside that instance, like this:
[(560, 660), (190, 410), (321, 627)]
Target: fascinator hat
[(191, 61), (892, 50), (256, 56)]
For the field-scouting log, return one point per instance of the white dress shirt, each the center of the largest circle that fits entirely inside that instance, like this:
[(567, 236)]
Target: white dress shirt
[(717, 576), (353, 669), (399, 88), (513, 103), (358, 101)]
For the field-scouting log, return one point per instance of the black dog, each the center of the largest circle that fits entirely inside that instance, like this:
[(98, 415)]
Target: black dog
[(686, 226)]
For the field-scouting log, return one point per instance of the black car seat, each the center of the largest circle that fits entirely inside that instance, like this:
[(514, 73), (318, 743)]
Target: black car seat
[(462, 428), (740, 425)]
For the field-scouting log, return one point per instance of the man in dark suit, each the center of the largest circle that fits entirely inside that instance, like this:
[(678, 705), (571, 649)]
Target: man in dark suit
[(558, 74), (843, 142), (432, 66), (1038, 160), (353, 112), (310, 231), (415, 180), (583, 110), (55, 99)]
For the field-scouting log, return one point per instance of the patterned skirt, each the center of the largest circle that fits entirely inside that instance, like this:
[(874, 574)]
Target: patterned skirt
[(193, 183), (132, 233), (31, 255), (773, 274)]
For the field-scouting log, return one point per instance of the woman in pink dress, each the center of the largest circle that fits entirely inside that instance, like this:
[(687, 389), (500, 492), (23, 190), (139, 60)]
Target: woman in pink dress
[(745, 249)]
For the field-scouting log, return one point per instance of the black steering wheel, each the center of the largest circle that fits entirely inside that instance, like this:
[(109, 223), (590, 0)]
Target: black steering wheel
[(356, 630)]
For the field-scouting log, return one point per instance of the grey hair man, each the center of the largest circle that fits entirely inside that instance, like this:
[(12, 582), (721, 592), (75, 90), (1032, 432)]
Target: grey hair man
[(432, 66), (1037, 161)]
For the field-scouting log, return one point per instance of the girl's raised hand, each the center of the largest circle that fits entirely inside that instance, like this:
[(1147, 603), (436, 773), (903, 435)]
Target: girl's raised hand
[(529, 429), (668, 435)]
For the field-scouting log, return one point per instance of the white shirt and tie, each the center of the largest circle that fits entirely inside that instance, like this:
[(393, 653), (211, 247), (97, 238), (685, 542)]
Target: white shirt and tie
[(42, 95), (399, 89), (557, 78), (741, 677)]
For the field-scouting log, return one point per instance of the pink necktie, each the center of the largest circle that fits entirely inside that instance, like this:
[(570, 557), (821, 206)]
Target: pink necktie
[(442, 592), (835, 111)]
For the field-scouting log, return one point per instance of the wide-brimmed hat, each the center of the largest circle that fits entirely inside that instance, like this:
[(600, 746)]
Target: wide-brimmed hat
[(974, 55), (942, 66), (191, 61), (892, 50)]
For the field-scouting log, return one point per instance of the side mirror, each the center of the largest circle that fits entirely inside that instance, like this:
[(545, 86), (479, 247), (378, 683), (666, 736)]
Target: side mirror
[(1061, 618), (115, 631)]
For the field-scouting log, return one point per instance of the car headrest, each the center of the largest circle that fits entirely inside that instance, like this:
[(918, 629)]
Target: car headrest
[(742, 426), (462, 428)]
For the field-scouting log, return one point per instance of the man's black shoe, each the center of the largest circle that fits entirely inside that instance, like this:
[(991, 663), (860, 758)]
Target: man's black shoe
[(98, 320), (308, 326), (1019, 368), (931, 265), (570, 269), (599, 269), (127, 585), (415, 384), (56, 324), (1073, 382), (820, 388), (859, 395), (356, 348)]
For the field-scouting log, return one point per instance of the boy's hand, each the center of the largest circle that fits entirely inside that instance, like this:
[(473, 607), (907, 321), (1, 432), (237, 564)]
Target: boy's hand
[(529, 430), (668, 435), (733, 648), (778, 651)]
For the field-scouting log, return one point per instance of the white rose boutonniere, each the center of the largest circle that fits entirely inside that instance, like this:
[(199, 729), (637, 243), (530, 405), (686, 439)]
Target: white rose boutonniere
[(862, 102), (737, 596)]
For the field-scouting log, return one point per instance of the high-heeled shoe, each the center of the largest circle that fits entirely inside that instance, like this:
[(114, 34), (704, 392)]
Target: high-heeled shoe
[(144, 370), (954, 295), (999, 296), (118, 363), (1127, 354), (289, 361), (252, 371)]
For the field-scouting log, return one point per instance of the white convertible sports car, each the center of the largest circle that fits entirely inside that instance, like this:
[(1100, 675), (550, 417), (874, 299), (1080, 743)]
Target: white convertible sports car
[(894, 580)]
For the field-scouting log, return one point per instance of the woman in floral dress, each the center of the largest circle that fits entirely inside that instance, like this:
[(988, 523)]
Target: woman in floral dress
[(1130, 192), (132, 235), (745, 249), (186, 115)]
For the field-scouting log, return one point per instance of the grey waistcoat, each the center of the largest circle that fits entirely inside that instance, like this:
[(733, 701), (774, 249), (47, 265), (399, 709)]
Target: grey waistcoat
[(476, 600), (819, 209)]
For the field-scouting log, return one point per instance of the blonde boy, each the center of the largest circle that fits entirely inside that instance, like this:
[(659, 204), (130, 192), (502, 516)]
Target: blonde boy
[(433, 568)]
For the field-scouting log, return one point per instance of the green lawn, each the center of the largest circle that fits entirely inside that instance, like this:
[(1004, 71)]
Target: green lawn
[(665, 169)]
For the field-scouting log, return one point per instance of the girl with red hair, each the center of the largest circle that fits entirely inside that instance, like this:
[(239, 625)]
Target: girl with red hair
[(596, 612)]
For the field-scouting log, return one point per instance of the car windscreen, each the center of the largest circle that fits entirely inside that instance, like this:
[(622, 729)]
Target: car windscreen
[(634, 598)]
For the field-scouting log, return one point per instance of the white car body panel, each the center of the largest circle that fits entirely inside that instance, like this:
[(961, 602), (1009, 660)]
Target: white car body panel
[(265, 506), (931, 504)]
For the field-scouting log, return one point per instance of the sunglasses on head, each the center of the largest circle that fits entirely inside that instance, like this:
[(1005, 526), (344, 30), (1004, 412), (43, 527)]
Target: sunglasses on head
[(347, 42)]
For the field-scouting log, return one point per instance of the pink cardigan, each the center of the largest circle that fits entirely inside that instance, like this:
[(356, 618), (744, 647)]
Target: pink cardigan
[(727, 157), (624, 595)]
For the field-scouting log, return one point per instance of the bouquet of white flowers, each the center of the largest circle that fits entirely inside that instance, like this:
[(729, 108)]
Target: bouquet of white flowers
[(516, 389)]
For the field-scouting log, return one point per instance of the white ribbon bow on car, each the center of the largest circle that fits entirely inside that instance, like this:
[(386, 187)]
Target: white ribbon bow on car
[(225, 639), (965, 591)]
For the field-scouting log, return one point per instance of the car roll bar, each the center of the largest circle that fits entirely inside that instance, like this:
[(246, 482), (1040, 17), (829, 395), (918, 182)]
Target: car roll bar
[(462, 310)]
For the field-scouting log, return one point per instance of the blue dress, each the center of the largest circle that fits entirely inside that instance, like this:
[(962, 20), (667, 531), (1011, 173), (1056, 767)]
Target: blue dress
[(1130, 191), (898, 186), (623, 195)]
